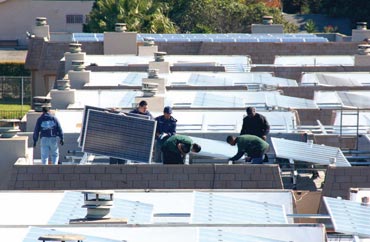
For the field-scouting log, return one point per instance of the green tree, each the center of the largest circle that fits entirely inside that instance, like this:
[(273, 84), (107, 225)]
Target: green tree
[(310, 26), (145, 16), (221, 16)]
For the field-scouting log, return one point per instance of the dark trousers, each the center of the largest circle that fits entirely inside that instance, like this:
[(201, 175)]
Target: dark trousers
[(172, 158)]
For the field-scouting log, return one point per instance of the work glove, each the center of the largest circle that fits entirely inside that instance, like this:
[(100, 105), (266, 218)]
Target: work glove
[(61, 142)]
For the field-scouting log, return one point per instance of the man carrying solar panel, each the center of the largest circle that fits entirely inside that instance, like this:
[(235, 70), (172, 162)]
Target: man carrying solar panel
[(175, 148), (250, 145)]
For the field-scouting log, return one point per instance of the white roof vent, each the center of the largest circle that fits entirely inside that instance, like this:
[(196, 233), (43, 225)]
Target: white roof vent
[(41, 21), (148, 41), (75, 47), (78, 65), (41, 101), (98, 204), (149, 89), (159, 56), (120, 27), (63, 84), (363, 49), (153, 73), (361, 25), (267, 20), (9, 128)]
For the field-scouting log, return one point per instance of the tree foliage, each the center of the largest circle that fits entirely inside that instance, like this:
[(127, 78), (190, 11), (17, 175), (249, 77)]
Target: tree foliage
[(139, 15), (183, 16)]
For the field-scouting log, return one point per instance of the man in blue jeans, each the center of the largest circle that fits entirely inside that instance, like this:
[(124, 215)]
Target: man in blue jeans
[(48, 129), (252, 145)]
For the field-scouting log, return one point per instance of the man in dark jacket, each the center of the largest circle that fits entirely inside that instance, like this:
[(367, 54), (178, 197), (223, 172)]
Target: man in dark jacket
[(142, 109), (48, 129), (255, 124), (166, 127), (253, 146), (175, 148)]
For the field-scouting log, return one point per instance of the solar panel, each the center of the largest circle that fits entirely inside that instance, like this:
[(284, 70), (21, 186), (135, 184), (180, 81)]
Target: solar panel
[(214, 209), (312, 153), (119, 136), (84, 119), (217, 235), (349, 217), (215, 148), (71, 208)]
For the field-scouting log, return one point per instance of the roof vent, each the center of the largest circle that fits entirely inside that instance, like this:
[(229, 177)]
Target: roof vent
[(63, 84), (62, 237), (98, 204), (120, 27), (78, 65), (148, 41), (361, 25), (149, 89), (363, 49), (75, 47), (41, 101), (267, 20), (153, 73), (159, 56), (41, 21), (365, 201), (9, 128)]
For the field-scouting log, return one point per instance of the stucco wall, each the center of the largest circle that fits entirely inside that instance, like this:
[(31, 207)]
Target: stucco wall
[(18, 16)]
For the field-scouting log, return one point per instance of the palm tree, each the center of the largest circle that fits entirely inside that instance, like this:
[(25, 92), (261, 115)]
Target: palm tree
[(145, 16)]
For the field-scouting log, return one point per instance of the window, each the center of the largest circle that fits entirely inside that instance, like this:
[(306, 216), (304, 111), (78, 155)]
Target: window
[(74, 19)]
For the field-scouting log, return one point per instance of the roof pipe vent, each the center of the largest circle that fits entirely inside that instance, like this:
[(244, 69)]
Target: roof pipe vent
[(9, 128), (153, 73), (148, 41), (75, 47), (78, 65), (63, 84), (62, 237), (41, 21), (267, 20), (120, 27), (159, 56), (365, 201), (149, 89), (361, 25), (363, 49), (98, 204), (41, 101)]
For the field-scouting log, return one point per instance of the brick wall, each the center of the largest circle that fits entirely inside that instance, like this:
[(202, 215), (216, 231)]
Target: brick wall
[(338, 180), (295, 72), (205, 176)]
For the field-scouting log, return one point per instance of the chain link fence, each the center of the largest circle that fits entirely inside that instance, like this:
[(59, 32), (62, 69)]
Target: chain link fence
[(14, 91)]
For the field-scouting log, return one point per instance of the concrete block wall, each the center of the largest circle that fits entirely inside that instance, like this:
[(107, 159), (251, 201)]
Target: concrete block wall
[(345, 142), (139, 176), (295, 72), (310, 116), (338, 180), (308, 92)]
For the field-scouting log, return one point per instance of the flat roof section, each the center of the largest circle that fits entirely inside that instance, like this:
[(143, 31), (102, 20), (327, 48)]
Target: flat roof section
[(336, 79), (315, 60)]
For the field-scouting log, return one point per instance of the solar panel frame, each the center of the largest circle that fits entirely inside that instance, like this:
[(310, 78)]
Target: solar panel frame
[(119, 136), (302, 151), (349, 217), (215, 209)]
